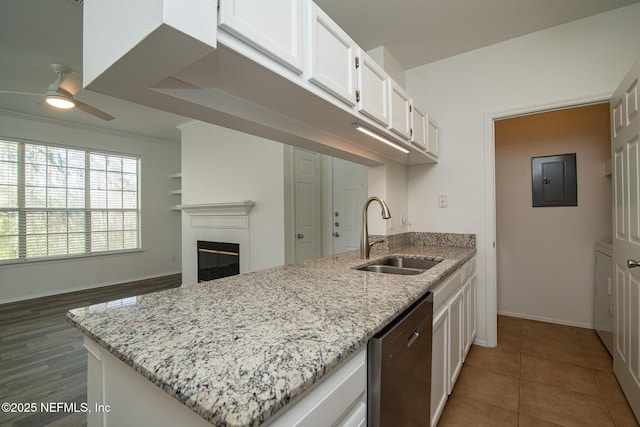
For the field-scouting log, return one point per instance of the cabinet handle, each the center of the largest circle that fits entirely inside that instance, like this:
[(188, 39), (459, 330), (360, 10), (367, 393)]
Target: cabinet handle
[(414, 336)]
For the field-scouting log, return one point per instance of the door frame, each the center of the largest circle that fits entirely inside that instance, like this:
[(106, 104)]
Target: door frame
[(491, 279)]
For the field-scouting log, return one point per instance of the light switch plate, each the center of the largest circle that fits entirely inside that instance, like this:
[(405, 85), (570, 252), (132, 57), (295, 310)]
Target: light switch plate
[(442, 201)]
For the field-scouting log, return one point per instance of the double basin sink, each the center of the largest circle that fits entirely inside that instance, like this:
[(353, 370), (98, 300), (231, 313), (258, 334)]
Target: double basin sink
[(397, 264)]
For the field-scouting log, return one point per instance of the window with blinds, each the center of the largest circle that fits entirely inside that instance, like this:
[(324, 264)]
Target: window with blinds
[(60, 201)]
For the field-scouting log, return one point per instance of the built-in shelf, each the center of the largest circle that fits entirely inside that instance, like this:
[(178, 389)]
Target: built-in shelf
[(177, 192)]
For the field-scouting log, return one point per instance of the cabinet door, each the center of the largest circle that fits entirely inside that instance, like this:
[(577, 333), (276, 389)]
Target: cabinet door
[(372, 89), (274, 27), (433, 144), (400, 119), (419, 127), (471, 311), (456, 324), (439, 363), (466, 336), (332, 57)]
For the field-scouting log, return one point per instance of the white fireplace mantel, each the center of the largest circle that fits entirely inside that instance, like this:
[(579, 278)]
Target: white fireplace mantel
[(234, 208), (219, 215)]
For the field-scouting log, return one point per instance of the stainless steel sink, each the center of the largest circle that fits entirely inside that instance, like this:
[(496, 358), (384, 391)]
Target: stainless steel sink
[(401, 265), (406, 262), (389, 269)]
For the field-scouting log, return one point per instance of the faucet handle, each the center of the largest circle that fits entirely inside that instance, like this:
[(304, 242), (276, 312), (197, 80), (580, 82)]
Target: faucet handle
[(376, 242)]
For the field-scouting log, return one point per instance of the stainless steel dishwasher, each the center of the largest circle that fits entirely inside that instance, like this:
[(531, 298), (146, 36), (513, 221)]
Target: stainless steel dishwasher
[(399, 369)]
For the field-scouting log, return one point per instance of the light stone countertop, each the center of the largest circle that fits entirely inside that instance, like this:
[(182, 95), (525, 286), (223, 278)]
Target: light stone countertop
[(238, 349)]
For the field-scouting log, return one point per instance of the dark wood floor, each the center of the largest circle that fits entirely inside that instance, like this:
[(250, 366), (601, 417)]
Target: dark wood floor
[(41, 355)]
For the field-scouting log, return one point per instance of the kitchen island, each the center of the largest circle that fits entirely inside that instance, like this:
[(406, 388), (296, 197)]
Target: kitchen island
[(237, 350)]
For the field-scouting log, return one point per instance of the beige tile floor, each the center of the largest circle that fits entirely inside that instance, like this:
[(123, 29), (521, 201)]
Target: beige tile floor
[(539, 375)]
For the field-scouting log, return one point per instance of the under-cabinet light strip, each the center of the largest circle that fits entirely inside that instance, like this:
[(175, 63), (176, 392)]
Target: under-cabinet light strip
[(378, 137)]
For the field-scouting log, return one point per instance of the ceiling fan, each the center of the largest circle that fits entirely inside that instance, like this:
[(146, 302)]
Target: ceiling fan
[(61, 92)]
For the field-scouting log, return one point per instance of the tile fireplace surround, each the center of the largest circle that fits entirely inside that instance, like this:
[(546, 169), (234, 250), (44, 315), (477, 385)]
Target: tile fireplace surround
[(214, 222)]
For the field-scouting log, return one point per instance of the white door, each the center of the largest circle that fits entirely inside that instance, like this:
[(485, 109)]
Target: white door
[(625, 156), (349, 197), (307, 204)]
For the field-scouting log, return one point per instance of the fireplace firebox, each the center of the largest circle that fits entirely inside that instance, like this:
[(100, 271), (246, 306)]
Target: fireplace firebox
[(217, 259)]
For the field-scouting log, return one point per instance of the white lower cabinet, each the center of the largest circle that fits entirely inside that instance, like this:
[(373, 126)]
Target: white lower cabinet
[(454, 329), (339, 399), (469, 296), (456, 340), (439, 363)]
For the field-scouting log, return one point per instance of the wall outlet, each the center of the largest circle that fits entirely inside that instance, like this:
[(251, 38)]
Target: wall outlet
[(442, 201)]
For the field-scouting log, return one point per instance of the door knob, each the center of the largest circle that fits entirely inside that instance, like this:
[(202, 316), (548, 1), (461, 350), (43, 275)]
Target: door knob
[(632, 264), (300, 236), (336, 234)]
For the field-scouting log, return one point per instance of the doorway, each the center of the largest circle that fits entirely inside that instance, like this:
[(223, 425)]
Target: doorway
[(544, 255)]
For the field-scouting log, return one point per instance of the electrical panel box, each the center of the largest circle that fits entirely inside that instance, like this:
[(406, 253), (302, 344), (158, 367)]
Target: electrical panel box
[(554, 181)]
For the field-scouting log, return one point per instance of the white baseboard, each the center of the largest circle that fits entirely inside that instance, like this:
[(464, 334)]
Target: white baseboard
[(481, 343), (548, 320), (84, 288)]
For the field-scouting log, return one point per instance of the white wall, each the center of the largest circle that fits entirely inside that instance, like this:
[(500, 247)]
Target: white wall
[(580, 59), (550, 250), (388, 182), (160, 226), (221, 165), (389, 63)]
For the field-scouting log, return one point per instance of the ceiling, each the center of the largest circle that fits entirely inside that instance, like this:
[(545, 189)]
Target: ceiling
[(415, 32)]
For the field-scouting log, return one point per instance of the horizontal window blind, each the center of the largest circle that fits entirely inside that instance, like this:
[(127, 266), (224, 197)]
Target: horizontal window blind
[(59, 201)]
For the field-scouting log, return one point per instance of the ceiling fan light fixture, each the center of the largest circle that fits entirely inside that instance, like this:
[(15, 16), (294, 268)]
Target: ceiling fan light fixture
[(59, 101), (58, 97)]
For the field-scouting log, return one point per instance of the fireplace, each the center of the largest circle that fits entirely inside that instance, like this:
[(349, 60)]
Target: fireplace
[(215, 222), (217, 259)]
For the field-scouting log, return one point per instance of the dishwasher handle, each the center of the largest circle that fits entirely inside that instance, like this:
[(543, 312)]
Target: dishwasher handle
[(414, 336)]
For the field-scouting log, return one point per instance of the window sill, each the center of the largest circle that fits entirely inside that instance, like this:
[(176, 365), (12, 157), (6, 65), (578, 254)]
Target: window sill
[(21, 262)]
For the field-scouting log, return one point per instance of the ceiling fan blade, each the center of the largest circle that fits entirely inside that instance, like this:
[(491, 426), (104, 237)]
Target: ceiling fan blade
[(15, 92), (93, 111), (72, 83)]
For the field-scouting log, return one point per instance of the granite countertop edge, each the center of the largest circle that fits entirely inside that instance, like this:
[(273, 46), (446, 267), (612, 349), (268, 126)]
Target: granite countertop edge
[(331, 274)]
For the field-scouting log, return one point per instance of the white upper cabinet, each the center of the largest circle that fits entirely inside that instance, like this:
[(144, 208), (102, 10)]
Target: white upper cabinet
[(433, 144), (372, 89), (400, 116), (274, 27), (419, 120), (332, 56), (277, 69)]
